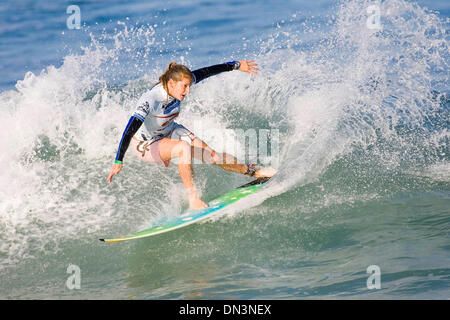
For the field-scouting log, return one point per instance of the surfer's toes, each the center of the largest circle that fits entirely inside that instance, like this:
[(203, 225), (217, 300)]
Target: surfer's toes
[(196, 204), (265, 173)]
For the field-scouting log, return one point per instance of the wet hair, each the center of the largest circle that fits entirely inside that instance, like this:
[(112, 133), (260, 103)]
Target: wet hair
[(175, 72)]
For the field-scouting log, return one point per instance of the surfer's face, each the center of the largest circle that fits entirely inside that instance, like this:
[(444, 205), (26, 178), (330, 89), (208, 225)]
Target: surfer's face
[(179, 89)]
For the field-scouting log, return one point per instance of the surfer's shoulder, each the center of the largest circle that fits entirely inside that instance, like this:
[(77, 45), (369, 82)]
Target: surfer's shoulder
[(153, 94), (156, 93)]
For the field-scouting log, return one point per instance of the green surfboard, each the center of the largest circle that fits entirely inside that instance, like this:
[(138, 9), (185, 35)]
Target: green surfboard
[(192, 216)]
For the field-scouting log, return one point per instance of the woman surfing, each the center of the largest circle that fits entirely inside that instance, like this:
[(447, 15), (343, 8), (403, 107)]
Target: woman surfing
[(156, 137)]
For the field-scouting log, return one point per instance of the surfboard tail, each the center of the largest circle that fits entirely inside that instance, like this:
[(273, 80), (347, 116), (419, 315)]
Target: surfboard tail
[(255, 182)]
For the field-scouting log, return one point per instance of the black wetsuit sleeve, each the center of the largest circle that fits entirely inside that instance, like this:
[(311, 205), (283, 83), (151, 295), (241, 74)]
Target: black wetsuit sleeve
[(203, 73), (132, 127)]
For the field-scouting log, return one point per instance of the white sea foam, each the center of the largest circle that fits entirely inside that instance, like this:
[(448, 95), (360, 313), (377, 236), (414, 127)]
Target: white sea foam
[(352, 87)]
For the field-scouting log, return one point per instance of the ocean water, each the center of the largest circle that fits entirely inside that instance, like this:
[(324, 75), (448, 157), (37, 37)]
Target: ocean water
[(357, 90)]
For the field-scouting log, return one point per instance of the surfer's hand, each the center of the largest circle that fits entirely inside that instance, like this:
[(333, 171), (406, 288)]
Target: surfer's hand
[(115, 170), (248, 66)]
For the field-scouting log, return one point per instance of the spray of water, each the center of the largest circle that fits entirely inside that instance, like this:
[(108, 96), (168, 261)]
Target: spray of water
[(334, 88)]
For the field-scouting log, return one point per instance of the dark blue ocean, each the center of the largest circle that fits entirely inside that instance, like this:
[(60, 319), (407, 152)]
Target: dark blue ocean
[(357, 91)]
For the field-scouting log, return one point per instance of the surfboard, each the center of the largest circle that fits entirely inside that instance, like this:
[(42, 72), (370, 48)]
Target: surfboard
[(193, 216)]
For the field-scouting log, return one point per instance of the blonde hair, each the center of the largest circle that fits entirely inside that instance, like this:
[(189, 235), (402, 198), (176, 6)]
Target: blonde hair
[(175, 72)]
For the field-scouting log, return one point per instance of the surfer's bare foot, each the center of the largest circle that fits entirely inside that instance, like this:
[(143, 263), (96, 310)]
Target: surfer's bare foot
[(195, 203), (264, 173)]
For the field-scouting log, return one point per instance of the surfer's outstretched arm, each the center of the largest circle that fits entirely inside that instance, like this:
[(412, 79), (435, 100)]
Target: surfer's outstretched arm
[(248, 66), (201, 150)]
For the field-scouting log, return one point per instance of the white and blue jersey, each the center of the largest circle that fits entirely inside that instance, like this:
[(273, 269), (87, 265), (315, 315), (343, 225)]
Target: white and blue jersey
[(157, 114)]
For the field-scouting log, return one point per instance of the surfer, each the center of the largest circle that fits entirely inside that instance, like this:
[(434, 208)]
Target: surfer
[(156, 137)]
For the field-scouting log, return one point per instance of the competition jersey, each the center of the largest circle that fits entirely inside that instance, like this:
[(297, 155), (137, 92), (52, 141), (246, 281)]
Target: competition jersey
[(156, 113)]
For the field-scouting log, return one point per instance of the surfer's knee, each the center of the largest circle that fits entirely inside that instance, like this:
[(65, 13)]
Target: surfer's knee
[(183, 150)]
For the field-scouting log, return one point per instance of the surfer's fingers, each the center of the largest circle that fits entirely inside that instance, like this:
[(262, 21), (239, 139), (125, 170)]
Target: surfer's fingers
[(250, 67), (249, 63), (115, 170), (111, 176)]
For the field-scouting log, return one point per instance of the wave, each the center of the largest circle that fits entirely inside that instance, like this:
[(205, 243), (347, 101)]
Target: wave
[(342, 95)]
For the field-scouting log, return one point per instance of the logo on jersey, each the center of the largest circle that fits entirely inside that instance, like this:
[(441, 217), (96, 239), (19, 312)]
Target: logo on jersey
[(143, 146), (145, 108)]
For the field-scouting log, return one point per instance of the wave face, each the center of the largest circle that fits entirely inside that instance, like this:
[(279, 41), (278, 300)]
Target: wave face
[(362, 110)]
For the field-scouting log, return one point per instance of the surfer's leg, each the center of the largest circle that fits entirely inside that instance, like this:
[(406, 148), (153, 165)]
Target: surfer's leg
[(201, 151), (170, 149)]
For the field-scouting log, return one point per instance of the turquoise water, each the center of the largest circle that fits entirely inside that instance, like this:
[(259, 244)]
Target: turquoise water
[(364, 170)]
